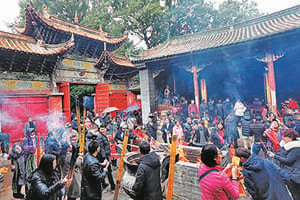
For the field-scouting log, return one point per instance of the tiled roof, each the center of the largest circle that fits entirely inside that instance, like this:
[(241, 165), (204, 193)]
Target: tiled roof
[(256, 28), (68, 27), (20, 43)]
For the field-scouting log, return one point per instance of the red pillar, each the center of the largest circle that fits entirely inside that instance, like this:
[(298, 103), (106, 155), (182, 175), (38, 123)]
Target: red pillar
[(196, 87), (271, 83)]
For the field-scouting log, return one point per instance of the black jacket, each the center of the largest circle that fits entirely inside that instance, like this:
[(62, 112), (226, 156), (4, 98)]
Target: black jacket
[(51, 146), (92, 177), (104, 146), (264, 180), (147, 184), (165, 129), (199, 135), (187, 129), (151, 129), (43, 187), (289, 158), (245, 123), (89, 136), (257, 130)]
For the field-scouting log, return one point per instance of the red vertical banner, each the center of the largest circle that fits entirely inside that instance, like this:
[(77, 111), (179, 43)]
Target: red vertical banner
[(203, 90), (102, 97), (65, 88), (196, 87), (271, 83), (267, 91)]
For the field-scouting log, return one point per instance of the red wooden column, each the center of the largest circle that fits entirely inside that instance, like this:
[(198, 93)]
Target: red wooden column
[(65, 88), (196, 86)]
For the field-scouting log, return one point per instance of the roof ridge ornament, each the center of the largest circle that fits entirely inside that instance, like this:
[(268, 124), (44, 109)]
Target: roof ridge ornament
[(76, 18), (41, 43), (270, 57), (45, 12), (102, 32)]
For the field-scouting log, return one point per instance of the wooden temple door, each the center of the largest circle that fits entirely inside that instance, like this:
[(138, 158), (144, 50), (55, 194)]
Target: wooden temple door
[(102, 97), (65, 88), (15, 111)]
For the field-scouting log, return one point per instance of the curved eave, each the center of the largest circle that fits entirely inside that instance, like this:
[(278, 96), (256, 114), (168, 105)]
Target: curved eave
[(67, 27), (25, 44), (115, 60)]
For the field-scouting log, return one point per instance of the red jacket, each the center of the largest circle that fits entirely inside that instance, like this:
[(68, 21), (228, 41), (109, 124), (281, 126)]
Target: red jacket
[(193, 109), (214, 185)]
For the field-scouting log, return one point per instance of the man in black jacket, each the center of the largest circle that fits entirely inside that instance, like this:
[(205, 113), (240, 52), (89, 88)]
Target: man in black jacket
[(92, 174), (151, 127), (187, 129), (147, 184), (245, 122), (104, 155), (201, 135), (167, 130)]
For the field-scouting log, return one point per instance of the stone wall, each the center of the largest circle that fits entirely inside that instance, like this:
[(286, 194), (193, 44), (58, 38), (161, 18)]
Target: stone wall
[(186, 184)]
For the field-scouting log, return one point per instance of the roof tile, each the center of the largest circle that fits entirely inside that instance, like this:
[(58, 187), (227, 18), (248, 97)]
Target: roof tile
[(260, 27)]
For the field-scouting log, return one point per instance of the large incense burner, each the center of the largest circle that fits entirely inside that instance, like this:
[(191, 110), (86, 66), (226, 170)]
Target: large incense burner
[(130, 169)]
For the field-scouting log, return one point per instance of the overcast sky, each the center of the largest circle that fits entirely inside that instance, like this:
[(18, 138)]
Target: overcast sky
[(9, 9)]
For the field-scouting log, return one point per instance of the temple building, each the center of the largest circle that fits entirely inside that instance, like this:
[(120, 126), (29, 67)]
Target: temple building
[(255, 58), (39, 65)]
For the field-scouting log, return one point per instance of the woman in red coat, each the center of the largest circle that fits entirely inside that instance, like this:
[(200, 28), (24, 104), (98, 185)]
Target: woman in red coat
[(214, 183)]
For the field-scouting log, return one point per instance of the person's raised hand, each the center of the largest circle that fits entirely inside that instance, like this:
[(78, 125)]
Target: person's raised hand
[(270, 154), (67, 181), (228, 166), (234, 172)]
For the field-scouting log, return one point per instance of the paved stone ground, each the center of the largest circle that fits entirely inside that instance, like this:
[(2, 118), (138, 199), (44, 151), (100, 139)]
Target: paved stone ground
[(106, 195)]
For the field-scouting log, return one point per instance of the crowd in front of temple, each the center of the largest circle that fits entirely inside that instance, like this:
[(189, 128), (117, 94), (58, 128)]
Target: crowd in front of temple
[(266, 142)]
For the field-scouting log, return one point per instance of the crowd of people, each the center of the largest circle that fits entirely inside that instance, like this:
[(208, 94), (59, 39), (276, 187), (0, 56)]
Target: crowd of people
[(265, 141)]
